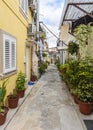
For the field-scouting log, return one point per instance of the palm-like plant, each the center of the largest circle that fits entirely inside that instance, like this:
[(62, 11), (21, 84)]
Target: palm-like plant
[(3, 94), (20, 82)]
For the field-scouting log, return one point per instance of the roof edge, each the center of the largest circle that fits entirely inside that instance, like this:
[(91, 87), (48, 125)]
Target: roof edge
[(62, 14)]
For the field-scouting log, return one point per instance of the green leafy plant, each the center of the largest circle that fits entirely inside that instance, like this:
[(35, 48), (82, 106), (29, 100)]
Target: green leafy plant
[(43, 35), (79, 76), (82, 33), (3, 94), (85, 91), (20, 82), (45, 65), (74, 91), (44, 54), (42, 67), (73, 48), (70, 73), (48, 62), (63, 68), (85, 76), (63, 72), (13, 94), (57, 63)]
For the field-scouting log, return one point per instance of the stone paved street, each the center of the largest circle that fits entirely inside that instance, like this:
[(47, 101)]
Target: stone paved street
[(48, 106)]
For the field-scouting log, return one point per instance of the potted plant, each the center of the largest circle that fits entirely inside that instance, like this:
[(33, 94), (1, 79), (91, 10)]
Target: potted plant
[(3, 109), (73, 79), (61, 68), (13, 99), (85, 95), (33, 78), (57, 63), (20, 84), (71, 75), (85, 88), (74, 94), (42, 68)]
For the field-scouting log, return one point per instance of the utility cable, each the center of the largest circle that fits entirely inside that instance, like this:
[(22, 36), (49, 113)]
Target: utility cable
[(52, 33)]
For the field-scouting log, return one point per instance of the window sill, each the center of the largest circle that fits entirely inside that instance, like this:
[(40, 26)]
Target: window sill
[(8, 74)]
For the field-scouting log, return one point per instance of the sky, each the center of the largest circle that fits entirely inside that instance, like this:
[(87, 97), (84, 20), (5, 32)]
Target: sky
[(50, 14)]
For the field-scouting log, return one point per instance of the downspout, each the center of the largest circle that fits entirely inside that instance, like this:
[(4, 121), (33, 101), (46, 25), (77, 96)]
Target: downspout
[(37, 24), (37, 28), (31, 61)]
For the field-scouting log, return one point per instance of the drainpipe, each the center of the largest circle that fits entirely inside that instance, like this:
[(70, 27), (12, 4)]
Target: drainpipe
[(37, 24), (31, 60)]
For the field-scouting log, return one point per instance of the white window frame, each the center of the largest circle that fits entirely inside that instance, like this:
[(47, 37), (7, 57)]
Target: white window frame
[(12, 67), (24, 6)]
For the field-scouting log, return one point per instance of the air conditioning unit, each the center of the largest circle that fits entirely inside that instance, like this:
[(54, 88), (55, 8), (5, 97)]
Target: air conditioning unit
[(31, 30), (32, 4)]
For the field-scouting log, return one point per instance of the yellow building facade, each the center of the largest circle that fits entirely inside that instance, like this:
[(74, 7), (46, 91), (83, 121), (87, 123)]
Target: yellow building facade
[(15, 50)]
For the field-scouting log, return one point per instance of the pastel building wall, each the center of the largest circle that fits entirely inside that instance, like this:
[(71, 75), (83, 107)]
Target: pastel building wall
[(15, 50)]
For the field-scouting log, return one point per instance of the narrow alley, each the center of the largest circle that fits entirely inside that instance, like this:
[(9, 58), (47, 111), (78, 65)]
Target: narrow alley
[(49, 106), (46, 60)]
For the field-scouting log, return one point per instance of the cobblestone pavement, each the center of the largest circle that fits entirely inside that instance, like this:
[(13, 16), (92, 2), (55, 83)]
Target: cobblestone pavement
[(49, 106)]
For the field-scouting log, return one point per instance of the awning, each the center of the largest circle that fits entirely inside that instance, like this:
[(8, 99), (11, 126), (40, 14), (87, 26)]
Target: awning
[(75, 9)]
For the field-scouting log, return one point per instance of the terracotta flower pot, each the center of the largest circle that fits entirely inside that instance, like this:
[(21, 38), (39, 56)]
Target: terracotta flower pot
[(33, 78), (85, 108), (13, 101), (21, 93), (76, 99), (92, 106), (3, 115)]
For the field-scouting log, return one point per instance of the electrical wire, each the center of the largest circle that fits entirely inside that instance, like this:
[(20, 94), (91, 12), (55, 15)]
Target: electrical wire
[(53, 33)]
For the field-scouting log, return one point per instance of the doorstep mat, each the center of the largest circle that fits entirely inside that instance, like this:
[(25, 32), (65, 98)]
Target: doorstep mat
[(89, 124)]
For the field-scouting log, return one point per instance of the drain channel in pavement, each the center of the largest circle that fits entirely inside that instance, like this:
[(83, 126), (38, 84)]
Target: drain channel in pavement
[(89, 124)]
